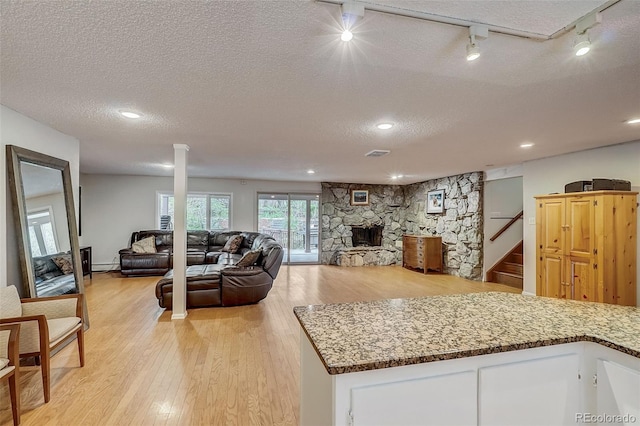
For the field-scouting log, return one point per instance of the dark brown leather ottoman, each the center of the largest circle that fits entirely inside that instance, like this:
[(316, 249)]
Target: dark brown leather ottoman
[(203, 287)]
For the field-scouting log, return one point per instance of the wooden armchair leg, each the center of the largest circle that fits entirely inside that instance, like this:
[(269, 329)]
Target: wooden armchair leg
[(14, 391), (46, 378), (81, 346)]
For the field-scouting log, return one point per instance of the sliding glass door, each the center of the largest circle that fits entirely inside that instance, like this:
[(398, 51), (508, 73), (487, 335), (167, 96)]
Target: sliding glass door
[(293, 220)]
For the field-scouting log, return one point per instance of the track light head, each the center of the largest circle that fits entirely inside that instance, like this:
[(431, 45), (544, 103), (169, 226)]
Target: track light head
[(473, 52), (475, 31), (582, 44)]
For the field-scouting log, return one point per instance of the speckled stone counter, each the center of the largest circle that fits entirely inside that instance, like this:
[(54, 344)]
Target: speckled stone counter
[(362, 336)]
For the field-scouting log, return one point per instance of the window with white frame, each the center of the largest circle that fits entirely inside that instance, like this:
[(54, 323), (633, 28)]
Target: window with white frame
[(205, 211), (42, 234)]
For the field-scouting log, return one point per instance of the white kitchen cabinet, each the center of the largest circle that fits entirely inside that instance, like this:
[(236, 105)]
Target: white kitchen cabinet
[(545, 385), (535, 392), (618, 393)]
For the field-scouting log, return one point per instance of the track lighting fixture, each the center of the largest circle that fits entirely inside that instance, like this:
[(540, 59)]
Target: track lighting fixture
[(475, 31), (582, 43), (473, 52), (351, 12)]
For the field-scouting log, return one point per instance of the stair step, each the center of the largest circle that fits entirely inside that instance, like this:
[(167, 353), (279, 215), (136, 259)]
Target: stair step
[(515, 258), (513, 268), (512, 280)]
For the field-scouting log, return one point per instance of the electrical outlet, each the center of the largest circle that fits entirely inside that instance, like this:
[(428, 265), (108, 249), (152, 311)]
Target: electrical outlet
[(399, 243)]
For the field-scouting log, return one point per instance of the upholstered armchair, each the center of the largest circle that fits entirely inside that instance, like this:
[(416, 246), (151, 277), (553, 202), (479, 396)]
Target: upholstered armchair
[(9, 366), (45, 323)]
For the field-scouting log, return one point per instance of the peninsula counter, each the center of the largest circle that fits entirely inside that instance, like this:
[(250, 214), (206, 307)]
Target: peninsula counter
[(483, 358)]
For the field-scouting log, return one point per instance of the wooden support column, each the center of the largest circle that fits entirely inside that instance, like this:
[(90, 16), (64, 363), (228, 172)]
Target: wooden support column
[(180, 232)]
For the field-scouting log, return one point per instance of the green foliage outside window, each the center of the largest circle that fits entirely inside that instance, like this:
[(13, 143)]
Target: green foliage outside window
[(197, 212)]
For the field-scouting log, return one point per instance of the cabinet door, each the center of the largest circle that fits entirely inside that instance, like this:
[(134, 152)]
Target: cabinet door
[(552, 283), (551, 214), (580, 238), (582, 279), (535, 392), (618, 391), (450, 399)]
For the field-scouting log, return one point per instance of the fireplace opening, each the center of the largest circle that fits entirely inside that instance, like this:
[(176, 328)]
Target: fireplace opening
[(369, 236)]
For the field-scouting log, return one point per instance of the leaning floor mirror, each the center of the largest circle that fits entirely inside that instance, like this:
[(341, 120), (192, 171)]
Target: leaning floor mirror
[(44, 214)]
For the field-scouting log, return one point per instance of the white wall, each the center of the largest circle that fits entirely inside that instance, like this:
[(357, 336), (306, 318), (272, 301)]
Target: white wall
[(115, 206), (549, 175), (502, 198), (20, 130)]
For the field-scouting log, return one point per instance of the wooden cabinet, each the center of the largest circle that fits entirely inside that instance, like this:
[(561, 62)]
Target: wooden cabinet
[(422, 252), (586, 246)]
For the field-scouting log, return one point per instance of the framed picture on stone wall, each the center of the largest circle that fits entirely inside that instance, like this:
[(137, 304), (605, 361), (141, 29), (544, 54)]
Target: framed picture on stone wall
[(435, 201), (359, 197)]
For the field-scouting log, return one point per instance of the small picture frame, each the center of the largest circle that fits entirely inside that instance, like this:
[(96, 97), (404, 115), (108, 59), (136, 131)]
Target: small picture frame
[(359, 197), (435, 201)]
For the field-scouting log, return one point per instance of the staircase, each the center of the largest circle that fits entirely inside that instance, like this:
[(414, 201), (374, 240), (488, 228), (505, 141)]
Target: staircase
[(508, 270)]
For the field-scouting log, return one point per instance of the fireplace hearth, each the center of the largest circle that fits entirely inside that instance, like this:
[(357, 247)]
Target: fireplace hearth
[(366, 236)]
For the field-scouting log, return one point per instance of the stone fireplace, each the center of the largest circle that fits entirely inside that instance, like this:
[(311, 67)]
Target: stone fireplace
[(349, 237), (367, 236)]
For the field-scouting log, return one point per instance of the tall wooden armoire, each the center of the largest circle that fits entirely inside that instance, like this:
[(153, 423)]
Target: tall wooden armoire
[(586, 246)]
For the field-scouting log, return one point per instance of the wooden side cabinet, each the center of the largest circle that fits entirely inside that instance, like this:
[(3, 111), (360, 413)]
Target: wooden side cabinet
[(422, 252), (85, 256), (586, 246)]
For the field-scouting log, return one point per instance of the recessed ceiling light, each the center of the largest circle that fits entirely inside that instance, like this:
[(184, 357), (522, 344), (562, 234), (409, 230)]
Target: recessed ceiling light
[(633, 121), (130, 114), (526, 145), (346, 35), (384, 126), (311, 171), (394, 177)]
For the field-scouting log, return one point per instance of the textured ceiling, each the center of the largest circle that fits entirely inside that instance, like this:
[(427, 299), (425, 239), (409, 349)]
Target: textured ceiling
[(266, 90)]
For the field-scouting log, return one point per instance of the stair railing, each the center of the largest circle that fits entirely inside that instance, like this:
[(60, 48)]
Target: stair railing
[(505, 227)]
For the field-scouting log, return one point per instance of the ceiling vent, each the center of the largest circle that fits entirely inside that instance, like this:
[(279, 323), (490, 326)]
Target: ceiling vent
[(377, 153)]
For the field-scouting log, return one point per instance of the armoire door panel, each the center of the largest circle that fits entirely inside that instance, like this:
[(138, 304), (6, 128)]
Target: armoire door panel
[(553, 283), (552, 223), (580, 239), (582, 279)]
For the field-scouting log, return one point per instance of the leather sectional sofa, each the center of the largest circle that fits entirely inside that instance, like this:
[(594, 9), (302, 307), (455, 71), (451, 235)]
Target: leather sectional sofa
[(213, 279), (50, 280), (203, 247)]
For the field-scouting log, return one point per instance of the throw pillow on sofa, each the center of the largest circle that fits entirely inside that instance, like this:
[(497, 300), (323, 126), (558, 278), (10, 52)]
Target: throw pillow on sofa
[(233, 244), (145, 245), (249, 258), (64, 263)]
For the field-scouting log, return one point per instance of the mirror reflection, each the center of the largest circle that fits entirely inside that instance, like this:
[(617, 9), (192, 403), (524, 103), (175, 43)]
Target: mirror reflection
[(48, 232)]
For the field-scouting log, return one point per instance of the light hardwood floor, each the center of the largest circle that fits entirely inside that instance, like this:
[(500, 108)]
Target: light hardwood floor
[(220, 366)]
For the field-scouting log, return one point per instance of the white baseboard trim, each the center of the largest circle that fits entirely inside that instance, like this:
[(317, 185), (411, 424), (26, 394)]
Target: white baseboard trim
[(526, 293), (178, 316), (105, 267)]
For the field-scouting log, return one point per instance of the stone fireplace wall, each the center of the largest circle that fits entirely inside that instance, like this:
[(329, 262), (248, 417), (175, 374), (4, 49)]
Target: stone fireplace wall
[(401, 209), (338, 216)]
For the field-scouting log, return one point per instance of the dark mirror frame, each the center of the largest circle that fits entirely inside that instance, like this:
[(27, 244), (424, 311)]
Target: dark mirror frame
[(15, 155)]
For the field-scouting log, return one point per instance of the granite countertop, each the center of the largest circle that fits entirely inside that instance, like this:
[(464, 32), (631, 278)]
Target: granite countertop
[(351, 337)]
